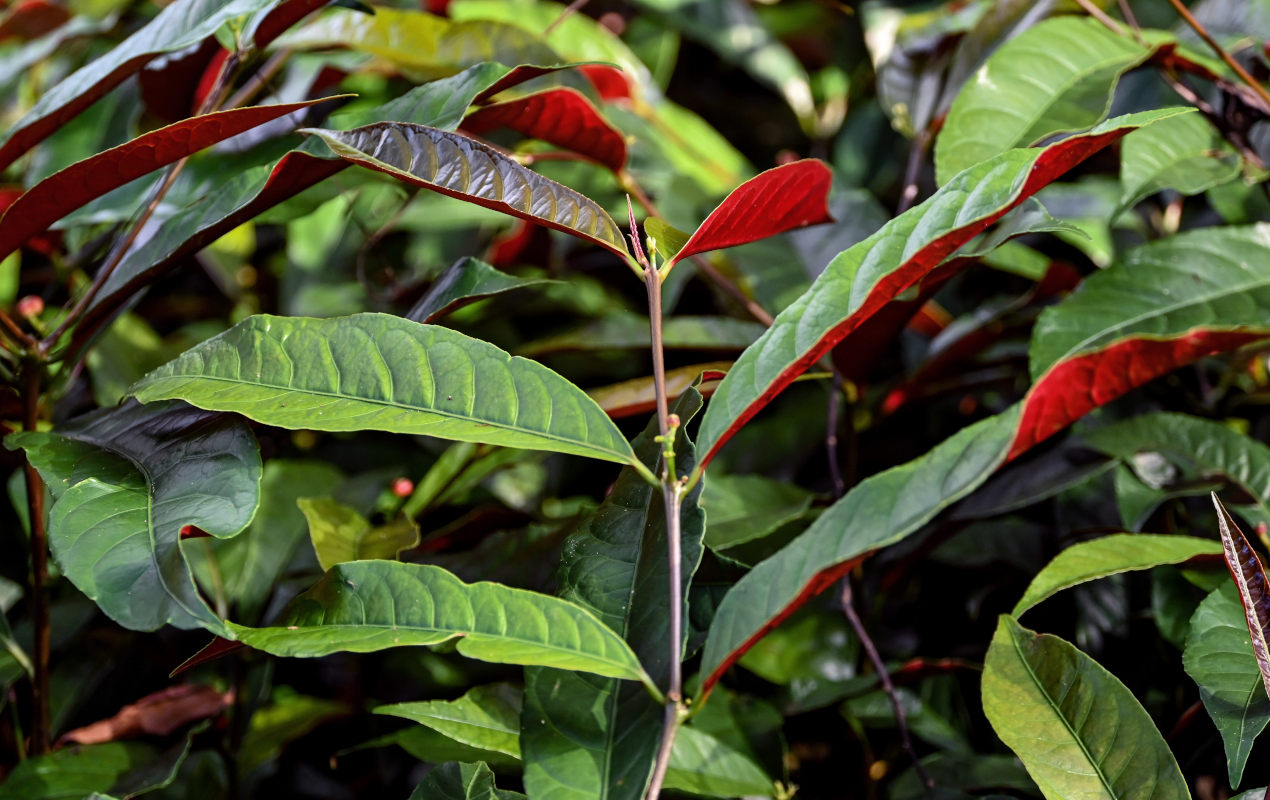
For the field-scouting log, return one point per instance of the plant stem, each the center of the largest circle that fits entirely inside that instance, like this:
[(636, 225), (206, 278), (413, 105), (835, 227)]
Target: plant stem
[(879, 666), (1199, 28), (1100, 15), (39, 569)]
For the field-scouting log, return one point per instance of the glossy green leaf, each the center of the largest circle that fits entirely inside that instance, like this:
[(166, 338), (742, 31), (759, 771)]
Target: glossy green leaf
[(1076, 727), (746, 507), (465, 281), (462, 167), (127, 481), (879, 511), (455, 781), (1111, 555), (627, 331), (364, 606), (1056, 77), (340, 534), (1218, 656), (380, 372), (585, 737), (487, 717), (1183, 153)]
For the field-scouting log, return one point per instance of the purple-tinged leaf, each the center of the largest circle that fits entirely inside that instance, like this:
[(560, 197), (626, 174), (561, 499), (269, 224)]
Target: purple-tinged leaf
[(1250, 578)]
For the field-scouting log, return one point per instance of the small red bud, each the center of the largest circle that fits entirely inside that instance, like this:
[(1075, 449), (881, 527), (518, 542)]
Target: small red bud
[(403, 487), (30, 306)]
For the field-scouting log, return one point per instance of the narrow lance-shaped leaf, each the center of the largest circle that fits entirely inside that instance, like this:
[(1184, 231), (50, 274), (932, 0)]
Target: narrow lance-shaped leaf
[(1079, 731), (179, 25), (1250, 578), (365, 606), (487, 717), (63, 192), (460, 167), (127, 481), (1162, 306), (380, 372), (562, 117), (862, 279)]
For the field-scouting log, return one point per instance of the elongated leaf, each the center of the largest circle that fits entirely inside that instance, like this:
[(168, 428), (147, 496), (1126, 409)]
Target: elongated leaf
[(1218, 656), (562, 117), (1161, 306), (340, 534), (862, 279), (63, 192), (465, 281), (589, 738), (460, 167), (878, 512), (456, 781), (1184, 153), (364, 606), (180, 25), (638, 395), (127, 481), (1110, 555), (1250, 579), (625, 331), (487, 717), (1077, 729), (781, 199), (379, 372), (1056, 77)]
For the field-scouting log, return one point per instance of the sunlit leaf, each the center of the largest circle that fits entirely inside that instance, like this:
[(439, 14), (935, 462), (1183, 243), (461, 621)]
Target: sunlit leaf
[(487, 717), (340, 534)]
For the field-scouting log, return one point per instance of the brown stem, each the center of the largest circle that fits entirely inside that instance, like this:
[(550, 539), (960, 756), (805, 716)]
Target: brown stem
[(901, 720), (40, 726), (260, 79), (15, 331), (569, 11), (912, 171), (832, 424), (1100, 15), (1199, 28)]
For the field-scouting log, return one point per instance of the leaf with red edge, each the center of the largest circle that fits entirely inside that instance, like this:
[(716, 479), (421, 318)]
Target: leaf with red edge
[(1250, 577), (63, 192), (1159, 307), (790, 196), (464, 168), (864, 278), (31, 19), (180, 25), (562, 117)]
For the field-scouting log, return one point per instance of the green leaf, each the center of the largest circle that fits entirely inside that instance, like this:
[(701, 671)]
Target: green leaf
[(1056, 77), (1218, 656), (1077, 729), (465, 281), (627, 331), (487, 717), (287, 717), (1110, 555), (462, 167), (340, 534), (455, 781), (880, 511), (701, 764), (589, 738), (73, 772), (364, 606), (742, 508), (1183, 153), (380, 372), (126, 481), (663, 239)]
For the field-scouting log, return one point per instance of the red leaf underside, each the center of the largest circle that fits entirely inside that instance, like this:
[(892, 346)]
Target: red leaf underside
[(169, 82), (562, 117), (1249, 575)]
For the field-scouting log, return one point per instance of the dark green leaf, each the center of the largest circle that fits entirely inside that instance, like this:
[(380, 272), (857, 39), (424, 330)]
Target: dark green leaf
[(1250, 579), (461, 782), (746, 507), (465, 281), (73, 772)]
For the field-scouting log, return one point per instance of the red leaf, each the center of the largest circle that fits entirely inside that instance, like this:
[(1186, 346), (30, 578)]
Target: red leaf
[(211, 73), (610, 82), (523, 243), (1073, 388), (65, 191), (169, 82), (156, 714), (1254, 593), (562, 117), (791, 196), (282, 18), (216, 648), (31, 19)]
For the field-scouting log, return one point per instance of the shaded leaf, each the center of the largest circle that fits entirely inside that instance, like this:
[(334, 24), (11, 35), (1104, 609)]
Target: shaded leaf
[(877, 512), (1183, 153), (1161, 306), (364, 606), (746, 507), (127, 480), (380, 372), (562, 117), (627, 331), (1077, 729), (465, 281), (455, 781), (664, 239), (1055, 77), (701, 764), (73, 772), (287, 717), (460, 167), (639, 396), (157, 714), (1218, 656), (862, 279), (1110, 555), (180, 25), (59, 194), (340, 534), (487, 717), (1250, 579)]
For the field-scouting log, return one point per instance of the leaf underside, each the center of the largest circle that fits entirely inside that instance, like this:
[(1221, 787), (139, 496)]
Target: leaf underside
[(1249, 575)]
